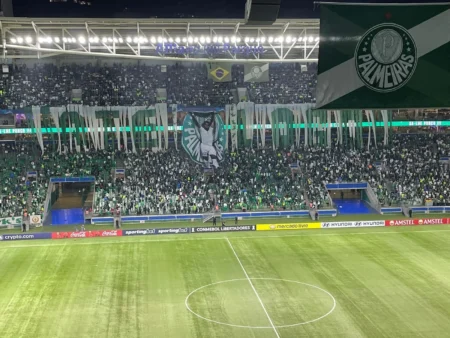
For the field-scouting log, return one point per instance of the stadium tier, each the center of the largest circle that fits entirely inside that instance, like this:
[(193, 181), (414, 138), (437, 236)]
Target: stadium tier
[(137, 85), (153, 122), (408, 170)]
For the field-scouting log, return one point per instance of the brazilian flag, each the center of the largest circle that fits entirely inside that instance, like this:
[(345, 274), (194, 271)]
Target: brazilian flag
[(219, 72)]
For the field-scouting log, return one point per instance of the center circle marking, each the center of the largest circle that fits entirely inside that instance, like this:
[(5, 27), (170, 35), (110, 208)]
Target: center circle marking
[(186, 302)]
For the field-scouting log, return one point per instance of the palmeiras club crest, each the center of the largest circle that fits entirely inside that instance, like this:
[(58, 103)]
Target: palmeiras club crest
[(386, 57), (204, 138)]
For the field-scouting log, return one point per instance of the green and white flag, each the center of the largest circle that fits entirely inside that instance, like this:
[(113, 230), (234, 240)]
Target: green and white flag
[(256, 72), (384, 56)]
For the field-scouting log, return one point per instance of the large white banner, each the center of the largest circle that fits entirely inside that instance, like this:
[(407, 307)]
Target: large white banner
[(10, 222)]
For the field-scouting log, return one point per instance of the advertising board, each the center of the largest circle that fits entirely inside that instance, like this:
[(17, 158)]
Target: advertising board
[(169, 231), (416, 221), (26, 236), (355, 224), (287, 226), (86, 234), (224, 229), (138, 232)]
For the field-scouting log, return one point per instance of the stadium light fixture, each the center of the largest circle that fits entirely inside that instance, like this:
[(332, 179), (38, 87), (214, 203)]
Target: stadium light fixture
[(170, 39), (13, 40), (288, 39), (42, 39), (208, 39), (129, 39), (233, 39), (152, 39), (270, 39), (115, 40), (215, 39), (57, 40), (190, 39), (247, 39), (136, 39), (226, 39), (238, 39), (81, 39), (202, 39), (219, 39), (104, 39), (184, 39), (28, 39), (160, 39), (145, 40), (177, 39), (196, 39), (300, 39), (280, 38), (110, 39), (49, 39), (294, 39), (310, 39), (263, 39), (64, 39), (317, 39), (120, 40), (20, 39)]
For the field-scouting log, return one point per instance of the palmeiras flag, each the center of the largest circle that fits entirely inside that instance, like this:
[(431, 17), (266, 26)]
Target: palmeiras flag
[(384, 56), (256, 72)]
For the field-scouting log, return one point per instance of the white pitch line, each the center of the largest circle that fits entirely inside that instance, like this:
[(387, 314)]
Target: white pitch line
[(315, 234), (253, 287)]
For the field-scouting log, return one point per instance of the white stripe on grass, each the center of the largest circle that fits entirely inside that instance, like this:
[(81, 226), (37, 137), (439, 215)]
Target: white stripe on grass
[(253, 287)]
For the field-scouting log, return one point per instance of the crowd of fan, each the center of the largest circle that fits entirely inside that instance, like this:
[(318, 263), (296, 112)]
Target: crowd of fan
[(21, 191), (137, 84), (168, 182), (407, 170)]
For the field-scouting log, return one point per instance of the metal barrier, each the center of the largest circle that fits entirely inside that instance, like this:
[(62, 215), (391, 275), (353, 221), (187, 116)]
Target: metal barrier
[(228, 215), (339, 186)]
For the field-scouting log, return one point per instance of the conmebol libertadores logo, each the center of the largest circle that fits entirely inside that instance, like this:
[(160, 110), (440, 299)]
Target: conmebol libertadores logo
[(386, 57)]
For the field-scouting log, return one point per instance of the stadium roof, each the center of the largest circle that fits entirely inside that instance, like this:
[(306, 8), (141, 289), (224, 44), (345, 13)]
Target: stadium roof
[(228, 40)]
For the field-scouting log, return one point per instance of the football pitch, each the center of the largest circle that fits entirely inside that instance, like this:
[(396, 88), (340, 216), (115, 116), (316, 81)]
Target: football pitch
[(377, 282)]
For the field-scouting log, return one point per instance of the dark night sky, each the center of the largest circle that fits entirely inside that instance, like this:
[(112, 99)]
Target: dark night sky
[(166, 8)]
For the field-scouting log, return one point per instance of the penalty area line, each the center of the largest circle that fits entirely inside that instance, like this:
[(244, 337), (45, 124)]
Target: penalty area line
[(253, 287)]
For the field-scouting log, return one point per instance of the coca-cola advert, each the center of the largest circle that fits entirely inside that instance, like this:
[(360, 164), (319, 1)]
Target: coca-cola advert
[(86, 234), (416, 221)]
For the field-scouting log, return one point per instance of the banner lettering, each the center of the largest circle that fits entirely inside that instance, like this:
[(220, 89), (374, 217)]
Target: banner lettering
[(417, 221), (288, 226), (86, 234)]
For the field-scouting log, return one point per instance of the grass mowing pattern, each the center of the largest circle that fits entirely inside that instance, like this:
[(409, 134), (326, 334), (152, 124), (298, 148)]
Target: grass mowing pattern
[(387, 282)]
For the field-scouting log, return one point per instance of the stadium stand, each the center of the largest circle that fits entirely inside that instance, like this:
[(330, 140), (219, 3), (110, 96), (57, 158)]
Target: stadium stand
[(251, 179), (119, 84)]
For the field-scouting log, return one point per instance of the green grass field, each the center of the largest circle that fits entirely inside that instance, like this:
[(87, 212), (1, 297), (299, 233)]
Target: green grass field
[(378, 282)]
